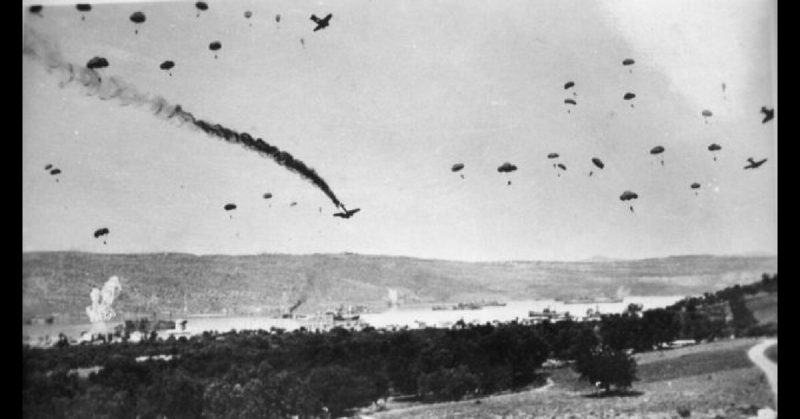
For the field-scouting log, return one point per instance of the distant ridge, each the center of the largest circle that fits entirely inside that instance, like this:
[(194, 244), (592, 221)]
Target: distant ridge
[(59, 282)]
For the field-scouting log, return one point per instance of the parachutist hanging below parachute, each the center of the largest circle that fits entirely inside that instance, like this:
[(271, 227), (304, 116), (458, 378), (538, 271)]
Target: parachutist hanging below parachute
[(570, 102), (656, 151), (627, 196), (101, 232), (714, 147), (201, 6), (570, 84), (457, 167), (507, 168), (55, 172), (695, 186), (597, 162), (247, 15), (629, 96), (230, 207), (215, 46), (83, 7), (706, 114), (628, 62), (138, 18), (167, 66)]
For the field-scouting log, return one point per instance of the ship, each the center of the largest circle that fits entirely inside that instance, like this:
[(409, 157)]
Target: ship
[(592, 300)]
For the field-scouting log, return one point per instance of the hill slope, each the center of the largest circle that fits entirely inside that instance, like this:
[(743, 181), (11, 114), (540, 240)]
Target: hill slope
[(59, 282)]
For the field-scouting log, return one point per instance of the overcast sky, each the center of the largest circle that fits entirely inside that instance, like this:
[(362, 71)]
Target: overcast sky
[(384, 101)]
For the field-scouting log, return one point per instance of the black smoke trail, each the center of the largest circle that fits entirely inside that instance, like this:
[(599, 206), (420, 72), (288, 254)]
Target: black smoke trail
[(41, 49)]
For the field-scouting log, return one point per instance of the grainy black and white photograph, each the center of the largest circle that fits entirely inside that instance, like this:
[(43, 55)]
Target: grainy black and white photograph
[(399, 209)]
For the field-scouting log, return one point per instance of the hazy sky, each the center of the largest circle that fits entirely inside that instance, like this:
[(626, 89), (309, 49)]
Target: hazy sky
[(384, 101)]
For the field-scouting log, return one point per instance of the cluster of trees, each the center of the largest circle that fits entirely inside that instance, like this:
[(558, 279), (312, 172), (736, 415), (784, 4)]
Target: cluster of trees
[(277, 374), (261, 374)]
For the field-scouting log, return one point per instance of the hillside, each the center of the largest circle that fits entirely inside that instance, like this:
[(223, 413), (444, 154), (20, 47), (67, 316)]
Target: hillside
[(59, 282)]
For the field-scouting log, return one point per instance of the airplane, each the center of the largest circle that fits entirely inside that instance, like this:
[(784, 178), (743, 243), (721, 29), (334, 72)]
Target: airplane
[(768, 114), (347, 213), (321, 23), (754, 164)]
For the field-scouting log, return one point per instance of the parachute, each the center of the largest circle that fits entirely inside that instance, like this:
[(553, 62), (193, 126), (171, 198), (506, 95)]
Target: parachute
[(707, 114), (456, 167), (36, 9), (597, 162), (48, 167), (562, 167), (248, 14), (714, 147), (629, 96), (97, 62), (137, 18), (267, 195), (167, 65), (201, 6), (278, 18), (628, 62), (656, 151), (55, 172), (552, 156), (627, 196), (506, 168), (215, 46), (569, 84), (101, 232), (230, 207), (570, 101), (83, 7)]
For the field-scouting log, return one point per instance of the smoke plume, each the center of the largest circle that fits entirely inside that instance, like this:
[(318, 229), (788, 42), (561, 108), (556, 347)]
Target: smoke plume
[(106, 88), (101, 311), (392, 297)]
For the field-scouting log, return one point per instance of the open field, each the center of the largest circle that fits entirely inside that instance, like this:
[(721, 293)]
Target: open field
[(727, 388)]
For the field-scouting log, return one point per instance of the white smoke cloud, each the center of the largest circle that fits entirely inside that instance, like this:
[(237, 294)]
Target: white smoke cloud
[(392, 297), (101, 310)]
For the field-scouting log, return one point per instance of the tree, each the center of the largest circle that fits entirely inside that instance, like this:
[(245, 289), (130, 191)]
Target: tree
[(608, 367), (447, 384)]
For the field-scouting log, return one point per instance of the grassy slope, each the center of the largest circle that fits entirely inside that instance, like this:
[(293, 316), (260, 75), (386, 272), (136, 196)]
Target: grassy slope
[(772, 353), (60, 281), (764, 307), (706, 386)]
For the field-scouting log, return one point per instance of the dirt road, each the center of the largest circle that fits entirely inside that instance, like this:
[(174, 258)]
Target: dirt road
[(756, 354)]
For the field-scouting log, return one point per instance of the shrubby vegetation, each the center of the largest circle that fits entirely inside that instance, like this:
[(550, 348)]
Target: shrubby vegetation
[(274, 375)]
